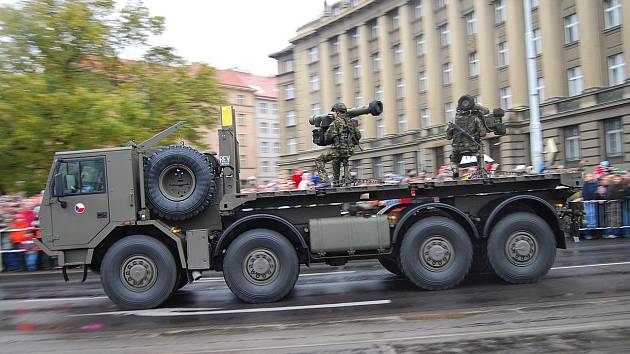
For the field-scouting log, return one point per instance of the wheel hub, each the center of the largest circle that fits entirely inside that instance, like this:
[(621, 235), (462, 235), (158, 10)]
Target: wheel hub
[(138, 273), (436, 253), (177, 182), (521, 248), (261, 266)]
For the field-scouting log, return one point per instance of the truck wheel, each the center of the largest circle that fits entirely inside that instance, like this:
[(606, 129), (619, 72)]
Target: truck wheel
[(391, 264), (179, 182), (521, 248), (260, 266), (138, 272), (436, 253)]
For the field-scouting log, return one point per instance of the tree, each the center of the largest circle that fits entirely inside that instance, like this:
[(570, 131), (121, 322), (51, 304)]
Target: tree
[(63, 85)]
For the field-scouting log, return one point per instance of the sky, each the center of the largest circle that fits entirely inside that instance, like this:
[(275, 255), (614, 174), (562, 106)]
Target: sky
[(229, 33)]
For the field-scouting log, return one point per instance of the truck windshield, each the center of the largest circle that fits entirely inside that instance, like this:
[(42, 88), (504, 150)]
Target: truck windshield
[(83, 176)]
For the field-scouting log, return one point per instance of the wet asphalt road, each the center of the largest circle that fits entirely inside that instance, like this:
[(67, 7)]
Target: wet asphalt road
[(582, 305)]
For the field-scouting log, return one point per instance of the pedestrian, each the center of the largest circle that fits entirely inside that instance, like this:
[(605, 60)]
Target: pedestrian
[(589, 194), (614, 195)]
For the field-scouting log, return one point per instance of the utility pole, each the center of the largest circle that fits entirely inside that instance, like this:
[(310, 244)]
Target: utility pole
[(535, 136)]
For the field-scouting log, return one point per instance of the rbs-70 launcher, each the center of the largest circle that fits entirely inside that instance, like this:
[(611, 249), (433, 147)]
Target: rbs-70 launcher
[(324, 121), (492, 121)]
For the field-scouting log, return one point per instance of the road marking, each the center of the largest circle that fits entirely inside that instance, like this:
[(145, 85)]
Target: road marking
[(591, 265), (64, 299), (217, 279), (211, 311)]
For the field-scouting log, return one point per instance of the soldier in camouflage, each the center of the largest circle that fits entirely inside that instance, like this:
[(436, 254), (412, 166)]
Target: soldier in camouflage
[(466, 133), (343, 136)]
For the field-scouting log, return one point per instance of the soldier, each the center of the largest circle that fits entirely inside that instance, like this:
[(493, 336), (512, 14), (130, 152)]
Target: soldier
[(466, 132), (343, 136)]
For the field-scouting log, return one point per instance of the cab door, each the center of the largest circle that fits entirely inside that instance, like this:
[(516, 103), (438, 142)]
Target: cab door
[(83, 209)]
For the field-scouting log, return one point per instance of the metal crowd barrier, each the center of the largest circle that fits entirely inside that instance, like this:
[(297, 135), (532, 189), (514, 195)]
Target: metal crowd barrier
[(604, 215)]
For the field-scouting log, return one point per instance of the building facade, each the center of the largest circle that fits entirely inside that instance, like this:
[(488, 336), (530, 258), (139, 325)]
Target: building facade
[(257, 127), (420, 56)]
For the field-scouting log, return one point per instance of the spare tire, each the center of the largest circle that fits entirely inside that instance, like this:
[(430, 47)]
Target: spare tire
[(179, 182)]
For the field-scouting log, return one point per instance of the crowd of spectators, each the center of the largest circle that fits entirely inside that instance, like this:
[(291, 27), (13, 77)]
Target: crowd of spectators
[(605, 197), (19, 224)]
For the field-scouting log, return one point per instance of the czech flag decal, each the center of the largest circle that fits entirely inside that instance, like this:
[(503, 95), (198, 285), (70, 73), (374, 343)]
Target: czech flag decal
[(79, 208)]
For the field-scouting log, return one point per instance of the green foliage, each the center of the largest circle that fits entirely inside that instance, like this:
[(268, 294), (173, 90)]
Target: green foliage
[(62, 86)]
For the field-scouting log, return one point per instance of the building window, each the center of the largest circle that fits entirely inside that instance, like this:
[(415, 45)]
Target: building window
[(354, 3), (571, 33), (503, 54), (425, 118), (421, 45), (612, 13), (276, 147), (356, 70), (315, 109), (506, 97), (274, 109), (241, 139), (376, 62), (614, 137), (447, 74), (358, 99), (537, 41), (471, 23), (288, 65), (441, 3), (616, 69), (395, 20), (335, 45), (417, 10), (445, 36), (378, 92), (314, 82), (399, 165), (337, 74), (336, 9), (402, 124), (422, 81), (264, 127), (289, 91), (400, 88), (275, 129), (499, 11), (357, 166), (449, 111), (243, 160), (354, 37), (574, 77), (540, 88), (291, 146), (240, 100), (397, 54), (374, 30), (240, 119), (264, 147), (377, 167), (380, 128), (362, 127), (290, 118), (473, 64), (262, 107), (572, 143), (265, 166), (313, 54)]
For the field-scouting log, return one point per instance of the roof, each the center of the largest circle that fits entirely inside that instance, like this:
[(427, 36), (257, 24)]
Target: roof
[(263, 86)]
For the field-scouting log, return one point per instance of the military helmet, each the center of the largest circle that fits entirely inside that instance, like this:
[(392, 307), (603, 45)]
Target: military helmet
[(466, 103), (339, 107)]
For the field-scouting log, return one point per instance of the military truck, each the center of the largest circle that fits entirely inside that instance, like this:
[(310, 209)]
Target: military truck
[(150, 219)]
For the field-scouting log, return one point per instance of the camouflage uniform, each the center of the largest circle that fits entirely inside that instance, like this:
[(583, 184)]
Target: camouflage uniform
[(344, 136), (466, 142)]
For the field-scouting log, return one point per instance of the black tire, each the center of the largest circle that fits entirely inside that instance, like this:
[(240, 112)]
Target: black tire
[(157, 284), (521, 230), (391, 264), (277, 270), (182, 280), (195, 192), (444, 241)]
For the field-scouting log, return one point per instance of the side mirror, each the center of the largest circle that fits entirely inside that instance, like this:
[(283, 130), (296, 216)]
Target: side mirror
[(58, 188)]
